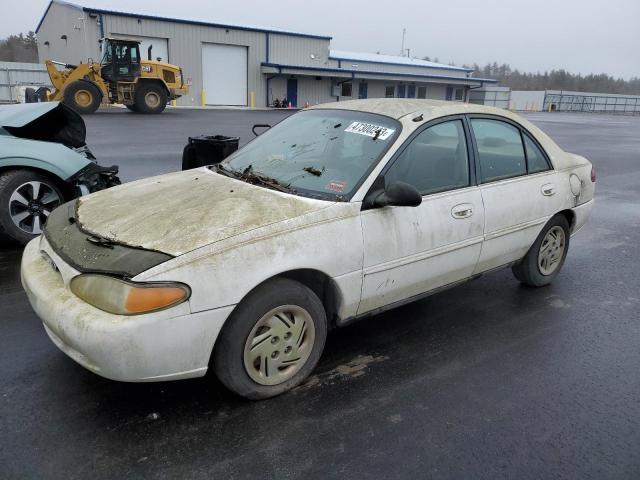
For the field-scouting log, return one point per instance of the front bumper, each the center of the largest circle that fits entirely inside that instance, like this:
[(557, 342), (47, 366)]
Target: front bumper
[(94, 178), (175, 93), (167, 345)]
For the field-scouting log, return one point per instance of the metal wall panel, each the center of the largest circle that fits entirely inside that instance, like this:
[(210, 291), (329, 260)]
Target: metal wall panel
[(289, 50)]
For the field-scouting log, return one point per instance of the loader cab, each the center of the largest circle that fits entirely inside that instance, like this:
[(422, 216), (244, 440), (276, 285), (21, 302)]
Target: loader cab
[(120, 60)]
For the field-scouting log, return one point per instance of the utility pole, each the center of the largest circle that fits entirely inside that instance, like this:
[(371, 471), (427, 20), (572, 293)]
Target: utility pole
[(404, 31)]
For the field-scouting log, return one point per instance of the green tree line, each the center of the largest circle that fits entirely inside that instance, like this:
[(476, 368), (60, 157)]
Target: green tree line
[(553, 80), (557, 80), (19, 48)]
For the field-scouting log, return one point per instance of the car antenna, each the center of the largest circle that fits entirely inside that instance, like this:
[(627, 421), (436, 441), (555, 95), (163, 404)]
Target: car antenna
[(419, 118)]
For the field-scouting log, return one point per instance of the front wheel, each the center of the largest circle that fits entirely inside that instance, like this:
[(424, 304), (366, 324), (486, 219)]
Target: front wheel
[(546, 256), (272, 341), (83, 96), (26, 200)]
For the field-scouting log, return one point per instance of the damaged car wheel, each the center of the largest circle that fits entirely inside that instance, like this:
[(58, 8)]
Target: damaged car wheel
[(26, 200), (273, 340)]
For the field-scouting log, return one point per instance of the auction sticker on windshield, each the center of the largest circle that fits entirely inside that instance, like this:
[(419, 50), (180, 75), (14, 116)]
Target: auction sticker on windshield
[(370, 130)]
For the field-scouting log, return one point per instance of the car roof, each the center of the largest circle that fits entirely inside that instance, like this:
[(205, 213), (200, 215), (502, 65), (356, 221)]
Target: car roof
[(400, 107)]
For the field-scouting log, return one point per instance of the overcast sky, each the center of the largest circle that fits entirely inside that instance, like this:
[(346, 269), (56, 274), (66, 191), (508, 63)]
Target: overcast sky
[(585, 36)]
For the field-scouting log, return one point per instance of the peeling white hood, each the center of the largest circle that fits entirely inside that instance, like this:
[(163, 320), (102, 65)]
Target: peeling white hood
[(179, 212)]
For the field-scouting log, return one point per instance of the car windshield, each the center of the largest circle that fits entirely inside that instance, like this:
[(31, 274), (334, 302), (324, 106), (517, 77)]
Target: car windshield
[(318, 153)]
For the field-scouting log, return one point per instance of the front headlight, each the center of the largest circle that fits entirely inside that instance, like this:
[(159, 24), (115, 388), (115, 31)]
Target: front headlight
[(123, 297)]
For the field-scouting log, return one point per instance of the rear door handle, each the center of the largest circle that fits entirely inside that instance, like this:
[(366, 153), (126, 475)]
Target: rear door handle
[(548, 189), (464, 210)]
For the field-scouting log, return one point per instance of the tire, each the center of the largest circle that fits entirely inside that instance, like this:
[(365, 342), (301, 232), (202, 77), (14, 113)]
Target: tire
[(42, 94), (244, 369), (132, 107), (150, 98), (23, 222), (83, 96), (30, 95), (537, 268)]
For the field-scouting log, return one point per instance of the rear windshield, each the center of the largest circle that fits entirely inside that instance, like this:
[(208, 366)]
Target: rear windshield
[(320, 153)]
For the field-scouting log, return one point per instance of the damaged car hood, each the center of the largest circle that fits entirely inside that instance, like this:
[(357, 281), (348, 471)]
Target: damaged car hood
[(183, 211)]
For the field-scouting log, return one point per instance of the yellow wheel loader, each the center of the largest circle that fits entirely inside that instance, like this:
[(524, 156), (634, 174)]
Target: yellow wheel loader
[(143, 86)]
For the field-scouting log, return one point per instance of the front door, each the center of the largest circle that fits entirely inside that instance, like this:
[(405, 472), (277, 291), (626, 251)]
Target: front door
[(411, 250), (411, 91), (292, 91), (518, 190), (401, 91)]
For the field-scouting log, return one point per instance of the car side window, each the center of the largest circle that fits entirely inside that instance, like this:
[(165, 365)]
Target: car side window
[(436, 160), (500, 149), (535, 158)]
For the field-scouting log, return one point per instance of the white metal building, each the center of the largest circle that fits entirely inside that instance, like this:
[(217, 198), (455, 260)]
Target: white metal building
[(245, 66)]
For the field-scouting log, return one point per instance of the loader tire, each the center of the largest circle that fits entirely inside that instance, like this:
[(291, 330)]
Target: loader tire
[(83, 96), (30, 95), (150, 98)]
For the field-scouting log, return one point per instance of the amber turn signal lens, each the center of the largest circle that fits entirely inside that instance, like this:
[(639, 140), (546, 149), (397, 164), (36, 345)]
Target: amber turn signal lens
[(142, 300)]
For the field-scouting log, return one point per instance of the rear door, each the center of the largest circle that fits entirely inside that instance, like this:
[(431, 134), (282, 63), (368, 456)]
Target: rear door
[(411, 250), (518, 189)]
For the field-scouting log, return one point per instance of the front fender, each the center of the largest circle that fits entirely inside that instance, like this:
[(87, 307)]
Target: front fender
[(50, 157), (221, 274)]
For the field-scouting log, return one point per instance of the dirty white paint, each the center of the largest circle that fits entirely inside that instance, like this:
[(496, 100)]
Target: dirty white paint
[(228, 237)]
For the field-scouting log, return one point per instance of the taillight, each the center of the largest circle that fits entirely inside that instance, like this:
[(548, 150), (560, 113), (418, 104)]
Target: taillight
[(593, 174)]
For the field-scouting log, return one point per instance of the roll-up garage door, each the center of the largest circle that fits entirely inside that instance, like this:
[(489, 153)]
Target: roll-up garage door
[(224, 74), (160, 46)]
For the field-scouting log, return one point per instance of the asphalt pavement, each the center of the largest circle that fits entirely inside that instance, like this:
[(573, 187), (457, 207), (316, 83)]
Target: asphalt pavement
[(488, 380)]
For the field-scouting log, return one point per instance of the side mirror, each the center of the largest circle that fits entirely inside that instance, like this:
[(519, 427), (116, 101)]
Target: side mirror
[(398, 194)]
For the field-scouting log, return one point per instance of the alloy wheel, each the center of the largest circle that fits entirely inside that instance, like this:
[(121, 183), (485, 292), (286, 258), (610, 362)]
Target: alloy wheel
[(30, 204)]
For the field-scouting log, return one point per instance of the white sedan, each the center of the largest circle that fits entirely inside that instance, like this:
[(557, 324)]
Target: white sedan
[(338, 212)]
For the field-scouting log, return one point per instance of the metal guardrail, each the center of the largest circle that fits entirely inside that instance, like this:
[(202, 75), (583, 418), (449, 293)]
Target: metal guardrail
[(574, 102)]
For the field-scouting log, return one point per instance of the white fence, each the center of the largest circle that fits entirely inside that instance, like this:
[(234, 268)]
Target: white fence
[(16, 76)]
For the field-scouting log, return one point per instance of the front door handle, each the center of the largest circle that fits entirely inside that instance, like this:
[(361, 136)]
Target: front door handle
[(464, 210), (548, 189)]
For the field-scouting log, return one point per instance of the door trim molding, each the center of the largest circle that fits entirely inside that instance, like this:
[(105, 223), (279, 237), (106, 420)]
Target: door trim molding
[(515, 228), (399, 262)]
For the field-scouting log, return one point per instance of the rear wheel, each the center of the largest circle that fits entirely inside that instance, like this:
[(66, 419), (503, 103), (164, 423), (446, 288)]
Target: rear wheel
[(30, 95), (546, 256), (83, 96), (26, 200), (272, 341), (150, 98)]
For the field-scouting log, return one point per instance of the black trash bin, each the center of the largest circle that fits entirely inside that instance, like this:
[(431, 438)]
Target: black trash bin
[(207, 150)]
